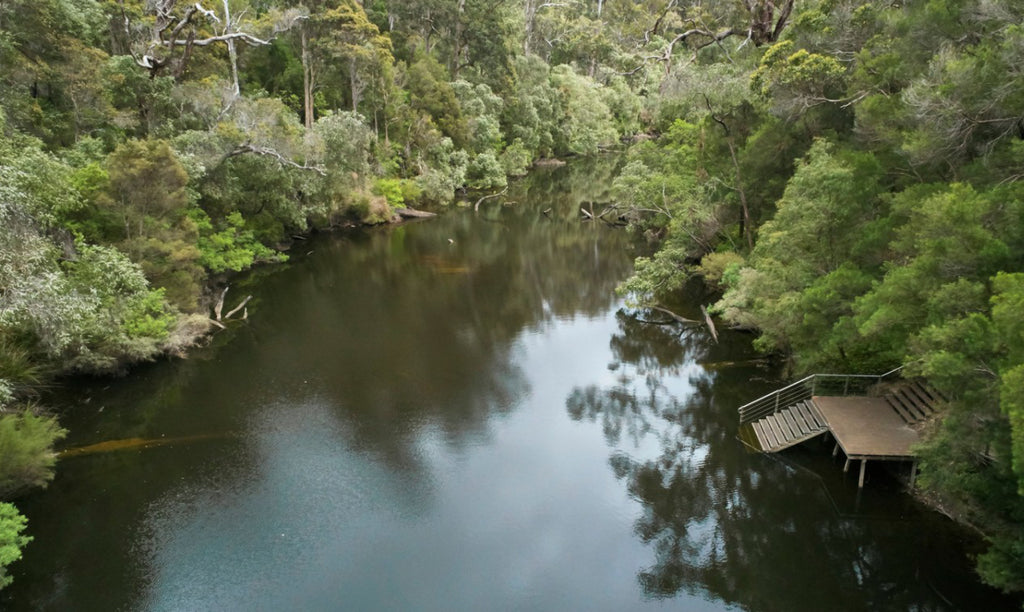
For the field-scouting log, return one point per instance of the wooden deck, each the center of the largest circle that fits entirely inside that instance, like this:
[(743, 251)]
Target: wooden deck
[(876, 428), (868, 428)]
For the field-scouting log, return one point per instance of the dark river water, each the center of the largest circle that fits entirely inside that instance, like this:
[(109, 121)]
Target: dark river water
[(460, 414)]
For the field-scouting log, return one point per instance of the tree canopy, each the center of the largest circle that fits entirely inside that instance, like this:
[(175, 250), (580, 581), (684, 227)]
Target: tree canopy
[(846, 172)]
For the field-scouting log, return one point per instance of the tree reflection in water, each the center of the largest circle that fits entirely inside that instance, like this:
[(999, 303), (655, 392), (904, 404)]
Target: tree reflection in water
[(748, 529)]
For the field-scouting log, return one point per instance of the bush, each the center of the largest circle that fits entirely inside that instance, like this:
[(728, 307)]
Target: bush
[(485, 172), (397, 191), (12, 523), (26, 451), (516, 159)]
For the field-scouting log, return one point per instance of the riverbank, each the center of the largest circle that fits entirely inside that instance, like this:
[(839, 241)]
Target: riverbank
[(396, 396)]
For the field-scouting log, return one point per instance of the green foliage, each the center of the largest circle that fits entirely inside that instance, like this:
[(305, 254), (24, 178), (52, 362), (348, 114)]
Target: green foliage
[(720, 269), (26, 451), (397, 191), (431, 94), (233, 248), (12, 524), (485, 172), (445, 172), (796, 79), (343, 144), (853, 187), (587, 123), (482, 109), (515, 159)]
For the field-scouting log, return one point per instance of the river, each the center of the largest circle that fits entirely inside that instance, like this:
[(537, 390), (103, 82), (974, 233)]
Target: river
[(459, 414)]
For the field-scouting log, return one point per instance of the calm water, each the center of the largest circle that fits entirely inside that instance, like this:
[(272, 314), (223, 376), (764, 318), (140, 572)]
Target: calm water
[(459, 415)]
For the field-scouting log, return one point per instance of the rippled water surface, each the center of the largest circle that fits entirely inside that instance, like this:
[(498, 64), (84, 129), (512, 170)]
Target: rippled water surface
[(460, 415)]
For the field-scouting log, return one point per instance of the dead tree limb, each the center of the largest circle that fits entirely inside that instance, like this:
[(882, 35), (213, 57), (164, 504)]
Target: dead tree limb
[(220, 303), (281, 159), (476, 206), (239, 307), (710, 323), (678, 318)]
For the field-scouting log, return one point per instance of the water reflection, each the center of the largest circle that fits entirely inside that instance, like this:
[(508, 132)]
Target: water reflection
[(753, 530), (360, 358), (390, 430)]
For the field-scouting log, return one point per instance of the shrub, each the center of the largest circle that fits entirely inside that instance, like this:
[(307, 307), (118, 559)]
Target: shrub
[(12, 523), (26, 451)]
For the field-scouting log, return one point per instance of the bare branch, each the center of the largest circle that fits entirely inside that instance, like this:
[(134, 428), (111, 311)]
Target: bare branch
[(205, 42), (239, 307), (250, 148), (476, 206)]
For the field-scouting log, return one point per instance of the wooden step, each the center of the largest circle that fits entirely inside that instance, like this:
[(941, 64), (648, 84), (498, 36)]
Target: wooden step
[(897, 406), (793, 425), (781, 425), (811, 408), (801, 421), (913, 402), (788, 427), (770, 439), (761, 442)]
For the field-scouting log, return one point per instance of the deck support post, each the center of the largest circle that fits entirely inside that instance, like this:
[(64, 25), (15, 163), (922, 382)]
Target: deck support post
[(835, 451), (846, 466), (913, 474), (860, 481)]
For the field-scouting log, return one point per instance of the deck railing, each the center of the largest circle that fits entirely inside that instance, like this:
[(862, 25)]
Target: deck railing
[(805, 388)]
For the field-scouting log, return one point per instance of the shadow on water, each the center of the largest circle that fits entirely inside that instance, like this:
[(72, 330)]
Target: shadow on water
[(404, 422), (763, 532), (355, 352)]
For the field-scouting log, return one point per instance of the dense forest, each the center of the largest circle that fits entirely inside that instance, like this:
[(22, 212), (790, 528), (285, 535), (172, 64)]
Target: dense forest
[(846, 173)]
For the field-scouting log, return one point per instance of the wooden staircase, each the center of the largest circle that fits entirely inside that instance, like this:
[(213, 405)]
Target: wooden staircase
[(788, 427), (914, 401), (800, 419)]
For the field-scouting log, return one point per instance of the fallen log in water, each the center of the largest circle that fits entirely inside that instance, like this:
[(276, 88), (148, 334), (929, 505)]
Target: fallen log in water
[(412, 213)]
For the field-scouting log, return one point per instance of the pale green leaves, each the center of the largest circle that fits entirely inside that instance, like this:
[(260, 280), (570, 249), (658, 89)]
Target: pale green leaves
[(12, 523)]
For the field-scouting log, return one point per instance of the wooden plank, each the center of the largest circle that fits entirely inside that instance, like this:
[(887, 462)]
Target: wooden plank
[(776, 427), (805, 428), (756, 426), (867, 427), (769, 436), (812, 407), (912, 403), (925, 391), (812, 420), (794, 441), (794, 431), (798, 432), (923, 402), (787, 433), (776, 432), (897, 406), (932, 392)]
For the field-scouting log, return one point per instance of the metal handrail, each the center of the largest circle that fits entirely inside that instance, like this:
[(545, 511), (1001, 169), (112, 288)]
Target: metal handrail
[(798, 391)]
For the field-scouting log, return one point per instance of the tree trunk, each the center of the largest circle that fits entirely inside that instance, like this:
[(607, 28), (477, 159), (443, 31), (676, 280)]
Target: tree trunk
[(457, 43), (353, 81), (529, 12), (307, 79), (232, 53), (745, 229)]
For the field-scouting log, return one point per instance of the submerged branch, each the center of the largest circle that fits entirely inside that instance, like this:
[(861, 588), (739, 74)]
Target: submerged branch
[(476, 206)]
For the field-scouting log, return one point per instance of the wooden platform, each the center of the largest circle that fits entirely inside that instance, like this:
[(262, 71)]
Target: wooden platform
[(868, 428), (882, 426)]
